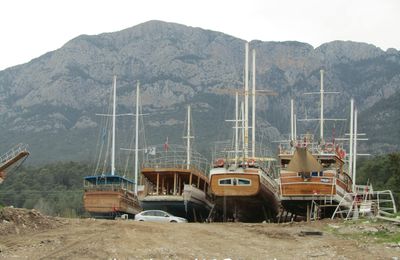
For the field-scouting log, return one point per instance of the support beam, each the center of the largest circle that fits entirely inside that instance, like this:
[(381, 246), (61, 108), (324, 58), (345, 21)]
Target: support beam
[(158, 184), (174, 192)]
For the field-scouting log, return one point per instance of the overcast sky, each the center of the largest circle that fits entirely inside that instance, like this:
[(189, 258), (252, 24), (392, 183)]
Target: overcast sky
[(30, 28)]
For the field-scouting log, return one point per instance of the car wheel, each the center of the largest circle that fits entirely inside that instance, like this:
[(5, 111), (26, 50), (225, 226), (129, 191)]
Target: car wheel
[(173, 221)]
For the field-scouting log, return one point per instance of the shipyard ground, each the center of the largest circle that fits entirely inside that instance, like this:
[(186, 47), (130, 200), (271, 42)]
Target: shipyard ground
[(27, 234)]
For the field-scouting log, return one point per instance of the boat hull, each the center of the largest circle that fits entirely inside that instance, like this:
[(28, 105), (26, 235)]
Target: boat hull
[(110, 203), (255, 202), (193, 204), (298, 193)]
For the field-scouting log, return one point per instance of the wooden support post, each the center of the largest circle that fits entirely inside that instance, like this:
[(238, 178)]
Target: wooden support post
[(158, 183), (198, 182), (308, 213), (168, 193), (179, 185), (194, 215), (174, 192), (190, 179), (162, 185)]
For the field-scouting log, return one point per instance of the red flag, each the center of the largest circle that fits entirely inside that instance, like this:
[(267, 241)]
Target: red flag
[(166, 145)]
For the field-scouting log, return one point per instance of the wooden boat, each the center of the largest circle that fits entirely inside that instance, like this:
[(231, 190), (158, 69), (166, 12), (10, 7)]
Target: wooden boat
[(244, 192), (171, 185), (314, 176), (242, 182), (175, 180), (108, 195)]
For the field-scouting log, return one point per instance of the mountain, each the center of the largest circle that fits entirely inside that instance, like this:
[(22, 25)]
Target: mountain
[(51, 102)]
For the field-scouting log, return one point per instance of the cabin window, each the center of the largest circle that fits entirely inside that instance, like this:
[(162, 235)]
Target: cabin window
[(314, 174), (225, 182), (244, 182)]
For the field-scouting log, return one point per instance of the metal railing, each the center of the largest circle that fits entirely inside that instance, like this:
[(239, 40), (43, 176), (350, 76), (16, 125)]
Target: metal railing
[(174, 156), (13, 152)]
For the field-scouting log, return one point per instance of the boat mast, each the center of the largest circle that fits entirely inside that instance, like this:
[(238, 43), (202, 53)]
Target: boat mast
[(188, 139), (137, 137), (351, 137), (113, 126), (291, 119), (236, 127), (253, 129), (295, 126), (355, 150), (322, 106), (246, 102), (243, 127)]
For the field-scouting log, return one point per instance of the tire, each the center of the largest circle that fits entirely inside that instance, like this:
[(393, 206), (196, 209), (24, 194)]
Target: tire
[(173, 221)]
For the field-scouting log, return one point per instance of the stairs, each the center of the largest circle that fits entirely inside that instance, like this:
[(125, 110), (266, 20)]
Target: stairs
[(13, 155), (366, 202)]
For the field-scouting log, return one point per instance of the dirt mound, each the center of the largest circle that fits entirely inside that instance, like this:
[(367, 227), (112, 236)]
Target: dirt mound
[(16, 221)]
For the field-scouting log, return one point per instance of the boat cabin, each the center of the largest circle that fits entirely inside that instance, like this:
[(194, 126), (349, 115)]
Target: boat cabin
[(107, 182)]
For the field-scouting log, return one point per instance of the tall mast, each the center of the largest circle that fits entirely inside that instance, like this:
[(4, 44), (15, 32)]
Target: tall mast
[(253, 116), (188, 139), (351, 137), (137, 137), (295, 127), (292, 120), (236, 127), (243, 127), (322, 106), (355, 150), (246, 102), (113, 126)]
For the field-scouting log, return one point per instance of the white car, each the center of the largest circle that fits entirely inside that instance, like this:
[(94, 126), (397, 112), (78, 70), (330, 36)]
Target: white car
[(158, 216)]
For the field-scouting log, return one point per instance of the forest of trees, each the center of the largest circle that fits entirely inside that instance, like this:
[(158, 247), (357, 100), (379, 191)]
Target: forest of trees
[(57, 189), (54, 189)]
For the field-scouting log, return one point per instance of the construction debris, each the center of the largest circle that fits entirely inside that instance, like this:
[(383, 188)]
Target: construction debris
[(17, 221)]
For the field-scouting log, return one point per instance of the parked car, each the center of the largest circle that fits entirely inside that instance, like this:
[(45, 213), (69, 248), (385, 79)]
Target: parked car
[(158, 216)]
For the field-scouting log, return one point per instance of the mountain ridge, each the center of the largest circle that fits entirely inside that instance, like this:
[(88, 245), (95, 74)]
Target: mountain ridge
[(61, 91)]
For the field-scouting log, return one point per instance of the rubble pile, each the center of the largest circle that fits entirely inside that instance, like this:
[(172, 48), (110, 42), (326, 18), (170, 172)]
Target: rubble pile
[(18, 220)]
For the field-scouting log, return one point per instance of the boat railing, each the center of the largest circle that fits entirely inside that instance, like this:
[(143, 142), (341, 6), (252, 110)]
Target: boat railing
[(269, 180), (364, 189), (307, 179), (104, 187), (19, 149), (175, 156), (226, 153)]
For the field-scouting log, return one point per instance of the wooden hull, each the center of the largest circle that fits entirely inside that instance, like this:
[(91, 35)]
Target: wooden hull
[(179, 191), (193, 204), (254, 202), (110, 203), (298, 193)]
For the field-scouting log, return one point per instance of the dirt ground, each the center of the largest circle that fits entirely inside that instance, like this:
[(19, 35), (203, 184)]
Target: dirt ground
[(27, 234)]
